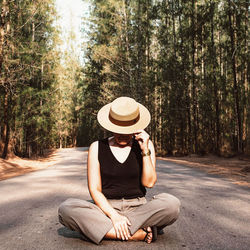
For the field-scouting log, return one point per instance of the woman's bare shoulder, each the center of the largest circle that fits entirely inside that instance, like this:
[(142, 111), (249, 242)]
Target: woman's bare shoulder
[(93, 154), (94, 146), (151, 144)]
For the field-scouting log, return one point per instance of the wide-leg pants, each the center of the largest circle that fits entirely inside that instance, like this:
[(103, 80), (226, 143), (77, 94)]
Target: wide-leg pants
[(88, 219)]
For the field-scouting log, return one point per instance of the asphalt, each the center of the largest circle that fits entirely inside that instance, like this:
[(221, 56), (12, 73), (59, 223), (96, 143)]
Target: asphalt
[(215, 213)]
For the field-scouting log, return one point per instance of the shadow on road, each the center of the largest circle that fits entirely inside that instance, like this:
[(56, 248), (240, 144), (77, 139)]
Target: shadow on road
[(65, 232), (214, 212)]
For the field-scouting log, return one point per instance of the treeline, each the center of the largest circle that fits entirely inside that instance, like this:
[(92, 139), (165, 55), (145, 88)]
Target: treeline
[(40, 83), (27, 62), (37, 101), (187, 61)]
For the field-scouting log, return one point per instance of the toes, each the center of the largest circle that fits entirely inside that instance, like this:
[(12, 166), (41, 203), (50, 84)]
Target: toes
[(150, 235)]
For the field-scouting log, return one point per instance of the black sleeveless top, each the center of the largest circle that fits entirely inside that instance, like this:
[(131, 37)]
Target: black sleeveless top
[(121, 180)]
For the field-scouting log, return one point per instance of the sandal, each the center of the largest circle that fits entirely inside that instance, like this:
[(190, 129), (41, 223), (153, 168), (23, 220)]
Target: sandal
[(154, 233)]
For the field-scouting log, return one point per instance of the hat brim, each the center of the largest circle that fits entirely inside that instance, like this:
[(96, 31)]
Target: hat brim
[(142, 123)]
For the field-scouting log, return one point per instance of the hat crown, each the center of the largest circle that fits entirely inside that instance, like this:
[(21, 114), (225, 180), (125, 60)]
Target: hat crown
[(124, 109)]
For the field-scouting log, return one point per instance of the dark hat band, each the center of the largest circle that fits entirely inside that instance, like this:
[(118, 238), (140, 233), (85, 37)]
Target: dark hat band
[(124, 123)]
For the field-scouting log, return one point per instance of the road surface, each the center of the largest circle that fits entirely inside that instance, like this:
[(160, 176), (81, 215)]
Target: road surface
[(215, 213)]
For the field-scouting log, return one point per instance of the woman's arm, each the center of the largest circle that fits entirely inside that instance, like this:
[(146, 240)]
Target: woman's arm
[(149, 176), (120, 223)]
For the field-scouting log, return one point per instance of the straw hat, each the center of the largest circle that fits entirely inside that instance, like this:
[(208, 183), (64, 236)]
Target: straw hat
[(123, 116)]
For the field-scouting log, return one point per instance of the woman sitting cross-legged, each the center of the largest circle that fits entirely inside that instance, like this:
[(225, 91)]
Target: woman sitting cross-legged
[(120, 168)]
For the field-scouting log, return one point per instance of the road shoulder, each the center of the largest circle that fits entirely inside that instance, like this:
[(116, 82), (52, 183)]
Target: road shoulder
[(234, 169)]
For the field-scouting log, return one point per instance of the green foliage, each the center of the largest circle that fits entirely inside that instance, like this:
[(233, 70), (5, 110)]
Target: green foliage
[(27, 75), (187, 61), (176, 58)]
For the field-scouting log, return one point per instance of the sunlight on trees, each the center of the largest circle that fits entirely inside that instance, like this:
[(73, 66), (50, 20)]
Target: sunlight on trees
[(187, 61)]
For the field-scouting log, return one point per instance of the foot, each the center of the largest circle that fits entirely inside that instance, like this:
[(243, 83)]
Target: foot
[(148, 235)]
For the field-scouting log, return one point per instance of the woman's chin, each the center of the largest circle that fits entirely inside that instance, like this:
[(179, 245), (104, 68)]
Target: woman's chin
[(123, 144), (123, 140)]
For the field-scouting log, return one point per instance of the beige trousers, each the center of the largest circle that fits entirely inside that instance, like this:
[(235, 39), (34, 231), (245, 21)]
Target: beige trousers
[(88, 219)]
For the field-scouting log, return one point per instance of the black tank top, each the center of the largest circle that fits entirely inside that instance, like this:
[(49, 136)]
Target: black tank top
[(121, 180)]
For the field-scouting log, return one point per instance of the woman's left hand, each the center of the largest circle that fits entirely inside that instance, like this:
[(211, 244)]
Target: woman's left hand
[(143, 138)]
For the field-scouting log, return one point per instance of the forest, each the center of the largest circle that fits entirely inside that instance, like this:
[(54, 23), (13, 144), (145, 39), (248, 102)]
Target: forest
[(187, 61)]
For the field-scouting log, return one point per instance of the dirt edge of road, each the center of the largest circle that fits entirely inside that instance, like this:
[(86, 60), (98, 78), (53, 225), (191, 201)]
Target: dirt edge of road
[(235, 169), (15, 166)]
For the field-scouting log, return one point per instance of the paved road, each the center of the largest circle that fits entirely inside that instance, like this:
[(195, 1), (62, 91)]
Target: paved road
[(215, 213)]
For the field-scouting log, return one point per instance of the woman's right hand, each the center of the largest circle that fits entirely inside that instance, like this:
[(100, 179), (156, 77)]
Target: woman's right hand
[(121, 224)]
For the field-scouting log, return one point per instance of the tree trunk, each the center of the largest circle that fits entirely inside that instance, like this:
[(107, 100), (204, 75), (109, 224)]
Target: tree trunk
[(60, 139), (6, 129), (173, 26), (246, 122), (4, 29), (215, 88), (235, 85), (194, 88), (4, 14), (127, 77)]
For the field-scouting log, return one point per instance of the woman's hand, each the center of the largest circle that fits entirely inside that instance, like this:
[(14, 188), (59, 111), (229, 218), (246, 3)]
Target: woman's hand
[(149, 177), (121, 224), (143, 138)]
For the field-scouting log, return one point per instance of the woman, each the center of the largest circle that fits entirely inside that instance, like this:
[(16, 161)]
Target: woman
[(120, 168)]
